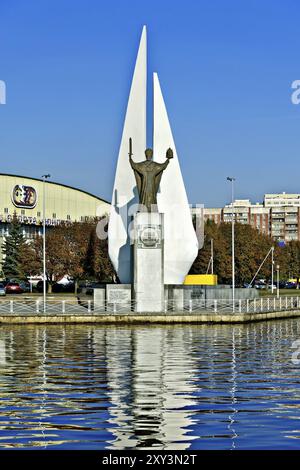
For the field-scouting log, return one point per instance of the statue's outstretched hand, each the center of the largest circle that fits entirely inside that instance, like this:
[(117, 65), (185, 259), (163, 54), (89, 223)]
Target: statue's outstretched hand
[(169, 153)]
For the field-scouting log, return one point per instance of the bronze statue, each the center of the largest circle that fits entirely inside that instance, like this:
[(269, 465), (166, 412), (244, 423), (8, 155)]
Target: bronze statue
[(148, 175)]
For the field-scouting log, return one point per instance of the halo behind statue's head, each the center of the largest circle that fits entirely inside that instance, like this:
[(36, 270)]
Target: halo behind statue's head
[(149, 154)]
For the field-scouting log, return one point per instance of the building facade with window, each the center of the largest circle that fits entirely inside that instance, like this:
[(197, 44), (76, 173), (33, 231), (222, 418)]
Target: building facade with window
[(24, 196), (278, 216)]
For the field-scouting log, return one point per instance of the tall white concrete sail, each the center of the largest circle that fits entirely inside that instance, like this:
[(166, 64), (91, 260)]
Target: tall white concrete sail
[(180, 240), (125, 191)]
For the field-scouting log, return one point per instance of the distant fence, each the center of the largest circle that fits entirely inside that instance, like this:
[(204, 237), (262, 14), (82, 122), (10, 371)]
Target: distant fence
[(194, 306)]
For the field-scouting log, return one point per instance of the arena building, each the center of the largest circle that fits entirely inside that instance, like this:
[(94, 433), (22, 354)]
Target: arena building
[(24, 196)]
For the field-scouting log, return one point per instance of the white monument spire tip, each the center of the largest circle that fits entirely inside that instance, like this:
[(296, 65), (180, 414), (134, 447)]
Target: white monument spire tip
[(124, 194)]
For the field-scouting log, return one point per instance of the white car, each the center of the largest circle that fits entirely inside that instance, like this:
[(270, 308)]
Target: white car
[(2, 290)]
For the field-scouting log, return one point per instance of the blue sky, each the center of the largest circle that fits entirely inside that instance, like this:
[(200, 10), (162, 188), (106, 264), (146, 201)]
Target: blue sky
[(225, 68)]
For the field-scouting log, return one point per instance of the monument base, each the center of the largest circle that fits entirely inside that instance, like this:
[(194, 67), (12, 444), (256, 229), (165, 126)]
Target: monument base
[(148, 287), (118, 297)]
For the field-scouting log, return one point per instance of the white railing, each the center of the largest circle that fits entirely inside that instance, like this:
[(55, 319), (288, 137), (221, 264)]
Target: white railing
[(31, 306)]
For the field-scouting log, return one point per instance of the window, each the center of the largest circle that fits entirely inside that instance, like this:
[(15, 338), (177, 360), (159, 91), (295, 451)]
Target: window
[(54, 215), (5, 210), (68, 217), (38, 214), (23, 212)]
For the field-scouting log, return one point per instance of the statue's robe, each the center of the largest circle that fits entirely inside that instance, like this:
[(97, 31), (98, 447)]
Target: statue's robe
[(148, 175)]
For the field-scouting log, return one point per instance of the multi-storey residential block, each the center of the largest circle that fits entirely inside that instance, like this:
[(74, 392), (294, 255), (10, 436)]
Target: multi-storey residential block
[(278, 215)]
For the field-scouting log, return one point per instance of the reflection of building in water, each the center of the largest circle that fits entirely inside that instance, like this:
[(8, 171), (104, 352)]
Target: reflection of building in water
[(149, 373)]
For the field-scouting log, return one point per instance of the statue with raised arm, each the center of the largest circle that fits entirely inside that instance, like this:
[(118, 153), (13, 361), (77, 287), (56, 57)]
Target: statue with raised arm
[(148, 175)]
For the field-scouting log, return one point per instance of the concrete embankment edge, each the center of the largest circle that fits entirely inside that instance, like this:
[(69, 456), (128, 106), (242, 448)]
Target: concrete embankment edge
[(146, 318)]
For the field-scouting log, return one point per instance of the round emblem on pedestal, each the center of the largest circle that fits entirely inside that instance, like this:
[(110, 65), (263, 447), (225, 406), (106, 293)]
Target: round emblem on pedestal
[(149, 237)]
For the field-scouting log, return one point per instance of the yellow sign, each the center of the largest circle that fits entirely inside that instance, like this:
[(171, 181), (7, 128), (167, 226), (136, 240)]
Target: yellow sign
[(201, 279)]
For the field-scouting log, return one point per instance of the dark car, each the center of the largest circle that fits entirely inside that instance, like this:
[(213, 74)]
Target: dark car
[(25, 286), (282, 284), (13, 288), (70, 287), (291, 285), (2, 290), (40, 286)]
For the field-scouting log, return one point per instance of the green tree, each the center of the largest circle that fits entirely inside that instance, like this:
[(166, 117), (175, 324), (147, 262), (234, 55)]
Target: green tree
[(14, 246)]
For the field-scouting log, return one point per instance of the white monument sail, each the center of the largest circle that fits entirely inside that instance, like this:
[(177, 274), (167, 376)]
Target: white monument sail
[(180, 240), (125, 191)]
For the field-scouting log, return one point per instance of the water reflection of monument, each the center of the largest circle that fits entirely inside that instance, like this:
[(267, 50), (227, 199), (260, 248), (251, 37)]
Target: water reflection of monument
[(163, 387), (151, 391)]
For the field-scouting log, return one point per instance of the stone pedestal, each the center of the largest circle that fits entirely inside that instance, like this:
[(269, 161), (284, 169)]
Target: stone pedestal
[(118, 297), (178, 298), (148, 286), (99, 299)]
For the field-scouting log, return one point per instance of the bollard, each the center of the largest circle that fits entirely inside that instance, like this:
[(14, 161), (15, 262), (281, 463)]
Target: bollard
[(279, 303), (114, 307), (240, 306), (261, 305), (274, 304), (268, 303), (89, 306), (247, 305), (37, 306), (191, 305), (166, 306), (215, 305)]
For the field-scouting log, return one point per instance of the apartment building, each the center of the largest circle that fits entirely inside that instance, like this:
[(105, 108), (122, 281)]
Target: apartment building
[(278, 215)]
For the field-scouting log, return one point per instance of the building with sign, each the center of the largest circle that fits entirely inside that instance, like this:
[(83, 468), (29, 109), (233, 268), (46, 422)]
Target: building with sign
[(24, 196)]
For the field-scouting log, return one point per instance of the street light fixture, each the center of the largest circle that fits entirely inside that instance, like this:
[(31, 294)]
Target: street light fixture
[(45, 177), (232, 180)]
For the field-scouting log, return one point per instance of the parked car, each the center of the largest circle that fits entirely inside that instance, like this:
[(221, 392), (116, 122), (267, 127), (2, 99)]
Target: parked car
[(282, 284), (58, 287), (260, 285), (13, 288), (40, 285), (25, 286), (2, 290), (291, 285)]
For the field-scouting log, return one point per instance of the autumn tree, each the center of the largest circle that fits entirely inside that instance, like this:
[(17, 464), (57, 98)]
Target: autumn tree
[(250, 249), (73, 249), (97, 263), (55, 254)]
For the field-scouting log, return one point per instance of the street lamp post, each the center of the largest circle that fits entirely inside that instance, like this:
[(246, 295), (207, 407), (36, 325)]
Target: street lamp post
[(272, 270), (232, 180), (277, 267), (212, 255), (44, 239)]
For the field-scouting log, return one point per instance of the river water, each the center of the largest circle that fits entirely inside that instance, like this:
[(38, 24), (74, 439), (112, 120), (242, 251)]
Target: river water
[(150, 387)]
